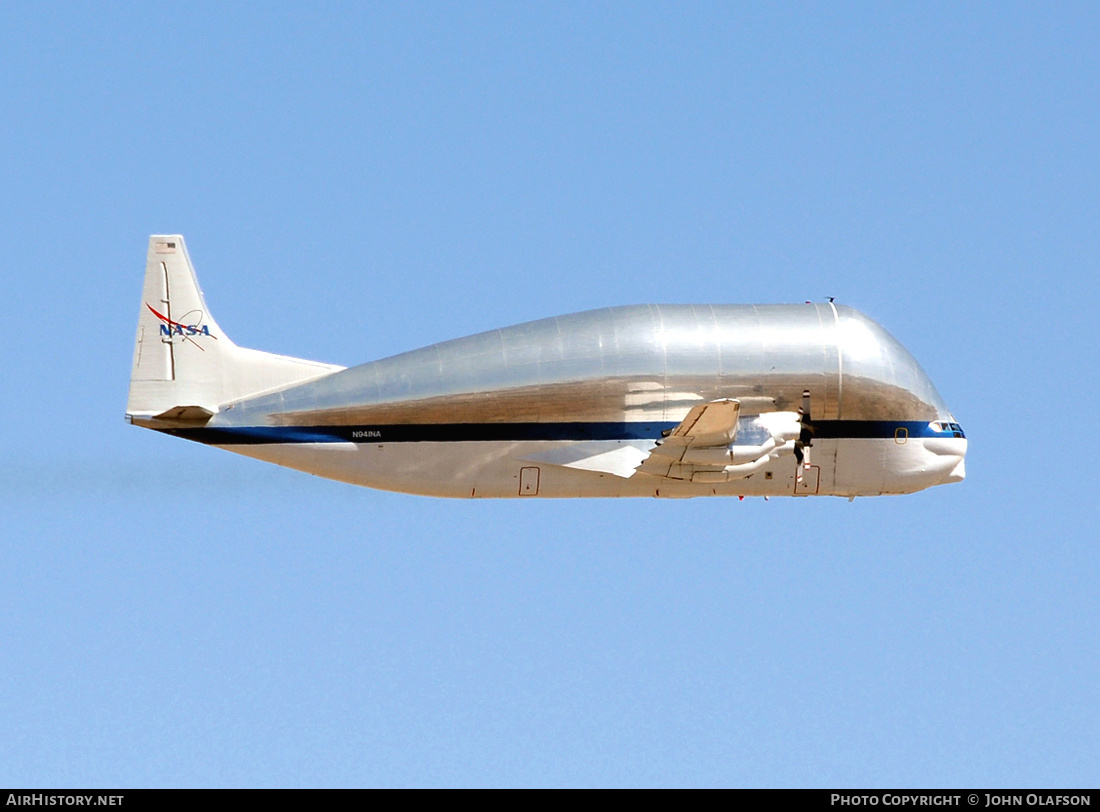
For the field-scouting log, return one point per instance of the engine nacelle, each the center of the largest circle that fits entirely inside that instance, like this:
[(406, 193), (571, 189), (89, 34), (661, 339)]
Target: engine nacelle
[(783, 426)]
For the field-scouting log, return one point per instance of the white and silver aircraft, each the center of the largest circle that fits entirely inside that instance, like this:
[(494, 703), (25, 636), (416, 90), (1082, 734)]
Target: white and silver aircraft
[(645, 400)]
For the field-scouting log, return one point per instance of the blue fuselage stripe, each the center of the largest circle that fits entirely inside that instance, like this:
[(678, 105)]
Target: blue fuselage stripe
[(518, 432)]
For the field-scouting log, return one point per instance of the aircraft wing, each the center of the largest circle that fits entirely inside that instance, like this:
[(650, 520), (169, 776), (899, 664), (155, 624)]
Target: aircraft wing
[(707, 426), (620, 458)]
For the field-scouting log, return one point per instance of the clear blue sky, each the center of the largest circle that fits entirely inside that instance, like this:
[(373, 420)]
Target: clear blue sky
[(355, 180)]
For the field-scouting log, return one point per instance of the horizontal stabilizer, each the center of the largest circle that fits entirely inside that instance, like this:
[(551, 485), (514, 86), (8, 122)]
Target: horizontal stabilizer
[(186, 414)]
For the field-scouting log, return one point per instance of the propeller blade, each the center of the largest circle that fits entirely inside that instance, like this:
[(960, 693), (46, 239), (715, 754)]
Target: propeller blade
[(805, 436)]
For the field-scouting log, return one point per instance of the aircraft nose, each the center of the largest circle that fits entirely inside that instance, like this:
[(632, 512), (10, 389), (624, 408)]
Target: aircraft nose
[(958, 473), (951, 452)]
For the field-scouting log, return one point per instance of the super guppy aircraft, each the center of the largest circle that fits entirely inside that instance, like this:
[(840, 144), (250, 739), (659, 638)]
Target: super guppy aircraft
[(644, 400)]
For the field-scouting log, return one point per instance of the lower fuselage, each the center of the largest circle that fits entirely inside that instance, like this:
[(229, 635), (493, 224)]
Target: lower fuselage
[(451, 464)]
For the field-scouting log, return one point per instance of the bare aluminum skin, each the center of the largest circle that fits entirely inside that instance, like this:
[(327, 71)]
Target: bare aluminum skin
[(650, 400), (642, 363)]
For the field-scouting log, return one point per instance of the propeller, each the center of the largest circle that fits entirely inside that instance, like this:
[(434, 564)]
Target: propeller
[(805, 436)]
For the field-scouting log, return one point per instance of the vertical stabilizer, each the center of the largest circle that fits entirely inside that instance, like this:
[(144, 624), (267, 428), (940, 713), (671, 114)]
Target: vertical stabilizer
[(185, 367)]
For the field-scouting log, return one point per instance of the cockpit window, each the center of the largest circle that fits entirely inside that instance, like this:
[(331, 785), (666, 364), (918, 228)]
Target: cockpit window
[(942, 426)]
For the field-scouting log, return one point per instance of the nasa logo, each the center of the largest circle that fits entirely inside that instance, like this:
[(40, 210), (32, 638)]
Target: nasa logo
[(174, 328), (180, 329)]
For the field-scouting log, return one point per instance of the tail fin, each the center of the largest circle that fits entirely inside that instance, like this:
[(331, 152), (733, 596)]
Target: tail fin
[(185, 367)]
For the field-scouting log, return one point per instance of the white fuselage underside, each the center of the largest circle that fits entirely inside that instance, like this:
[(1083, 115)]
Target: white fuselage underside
[(838, 467)]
